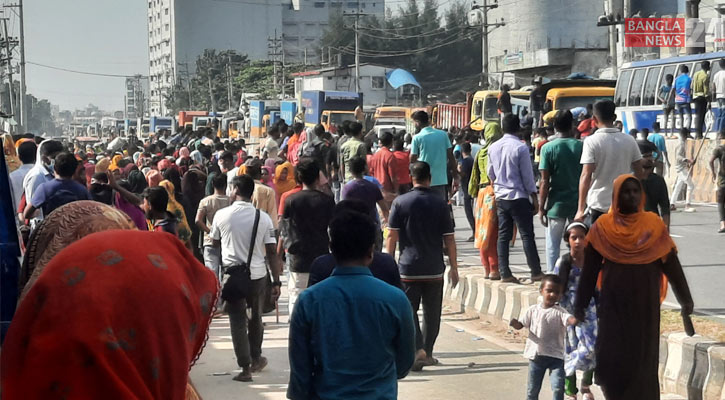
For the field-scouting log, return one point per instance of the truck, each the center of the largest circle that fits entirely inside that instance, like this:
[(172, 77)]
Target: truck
[(446, 116), (130, 124), (158, 123), (260, 114), (329, 108), (186, 118), (288, 111)]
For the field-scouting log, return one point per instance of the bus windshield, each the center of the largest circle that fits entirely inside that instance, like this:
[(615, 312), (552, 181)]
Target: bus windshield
[(568, 103), (490, 108), (339, 118)]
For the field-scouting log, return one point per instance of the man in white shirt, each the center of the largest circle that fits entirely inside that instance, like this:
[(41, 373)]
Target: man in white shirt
[(42, 171), (606, 155), (26, 153), (232, 230), (718, 87)]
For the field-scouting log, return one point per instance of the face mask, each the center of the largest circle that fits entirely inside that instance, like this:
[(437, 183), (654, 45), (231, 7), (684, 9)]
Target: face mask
[(51, 166)]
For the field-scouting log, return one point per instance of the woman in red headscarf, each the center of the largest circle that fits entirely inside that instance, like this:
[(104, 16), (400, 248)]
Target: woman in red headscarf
[(632, 256), (116, 315)]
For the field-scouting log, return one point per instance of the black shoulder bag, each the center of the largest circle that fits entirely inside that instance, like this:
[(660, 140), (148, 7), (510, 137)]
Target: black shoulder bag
[(240, 280)]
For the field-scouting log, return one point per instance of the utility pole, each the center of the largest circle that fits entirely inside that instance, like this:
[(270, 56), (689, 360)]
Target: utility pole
[(274, 45), (8, 57), (694, 28), (357, 14), (305, 58), (483, 9), (229, 82), (23, 122), (612, 19), (188, 82), (211, 93)]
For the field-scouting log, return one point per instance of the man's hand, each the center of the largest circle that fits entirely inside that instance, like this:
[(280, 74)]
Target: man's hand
[(453, 276), (579, 215), (276, 291), (516, 324), (544, 220)]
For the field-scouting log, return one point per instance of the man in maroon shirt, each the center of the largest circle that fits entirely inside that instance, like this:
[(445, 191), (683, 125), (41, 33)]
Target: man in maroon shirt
[(402, 165)]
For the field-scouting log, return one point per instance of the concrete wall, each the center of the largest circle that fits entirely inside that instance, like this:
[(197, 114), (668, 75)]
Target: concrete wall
[(704, 187)]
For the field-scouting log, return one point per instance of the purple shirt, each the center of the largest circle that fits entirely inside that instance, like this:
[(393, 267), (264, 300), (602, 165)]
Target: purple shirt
[(365, 191), (509, 167)]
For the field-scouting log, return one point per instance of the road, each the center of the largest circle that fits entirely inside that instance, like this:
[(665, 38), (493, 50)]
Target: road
[(476, 363)]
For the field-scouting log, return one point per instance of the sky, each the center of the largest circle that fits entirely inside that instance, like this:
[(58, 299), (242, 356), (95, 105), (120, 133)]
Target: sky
[(106, 36)]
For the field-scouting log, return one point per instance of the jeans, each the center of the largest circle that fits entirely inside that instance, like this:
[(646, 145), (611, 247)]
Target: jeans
[(521, 212), (669, 117), (554, 233), (537, 370), (700, 110), (213, 260), (468, 207), (683, 178), (431, 293), (682, 109), (296, 284), (336, 190), (247, 335), (721, 116)]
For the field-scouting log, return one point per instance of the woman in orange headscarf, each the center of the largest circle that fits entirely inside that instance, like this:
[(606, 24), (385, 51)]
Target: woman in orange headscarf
[(284, 178), (91, 329), (632, 256)]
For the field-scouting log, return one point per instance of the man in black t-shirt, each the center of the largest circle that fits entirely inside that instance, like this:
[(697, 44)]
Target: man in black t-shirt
[(303, 228), (657, 199), (504, 101), (536, 102), (420, 220)]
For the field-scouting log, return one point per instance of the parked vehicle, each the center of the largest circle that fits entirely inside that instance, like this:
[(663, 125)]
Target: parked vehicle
[(329, 108)]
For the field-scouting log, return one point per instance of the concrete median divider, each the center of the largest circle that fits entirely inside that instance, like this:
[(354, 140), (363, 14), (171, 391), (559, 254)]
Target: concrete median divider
[(689, 367)]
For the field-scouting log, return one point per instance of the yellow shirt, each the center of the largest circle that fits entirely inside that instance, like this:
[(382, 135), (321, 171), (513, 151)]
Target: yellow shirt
[(701, 84)]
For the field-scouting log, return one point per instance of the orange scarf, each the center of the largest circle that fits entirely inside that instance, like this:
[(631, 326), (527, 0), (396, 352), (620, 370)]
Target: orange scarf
[(638, 238)]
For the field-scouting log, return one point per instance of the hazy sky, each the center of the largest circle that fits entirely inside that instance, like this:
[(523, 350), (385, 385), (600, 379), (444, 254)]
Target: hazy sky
[(108, 36)]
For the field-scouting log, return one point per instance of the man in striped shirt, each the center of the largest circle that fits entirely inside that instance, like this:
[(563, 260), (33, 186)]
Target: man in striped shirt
[(421, 221)]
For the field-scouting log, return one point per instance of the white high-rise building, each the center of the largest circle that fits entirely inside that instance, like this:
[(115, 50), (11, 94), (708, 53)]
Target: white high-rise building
[(180, 31)]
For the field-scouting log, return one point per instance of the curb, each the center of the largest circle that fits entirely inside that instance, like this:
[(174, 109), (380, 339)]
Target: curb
[(693, 367)]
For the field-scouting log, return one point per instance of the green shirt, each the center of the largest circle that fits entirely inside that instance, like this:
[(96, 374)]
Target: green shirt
[(701, 84), (561, 158), (431, 146), (352, 148)]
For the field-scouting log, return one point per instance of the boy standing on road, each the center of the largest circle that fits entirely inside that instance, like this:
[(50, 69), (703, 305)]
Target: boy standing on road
[(547, 324), (683, 166)]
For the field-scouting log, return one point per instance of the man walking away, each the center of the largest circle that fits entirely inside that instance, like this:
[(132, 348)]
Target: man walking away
[(303, 228), (433, 147), (683, 96), (61, 190), (363, 190), (353, 147), (718, 86), (718, 155), (560, 172), (420, 220), (701, 95), (536, 103), (382, 167), (465, 168), (205, 217), (510, 170), (659, 141), (402, 165), (667, 98), (264, 196), (367, 341), (683, 165), (246, 236), (606, 155)]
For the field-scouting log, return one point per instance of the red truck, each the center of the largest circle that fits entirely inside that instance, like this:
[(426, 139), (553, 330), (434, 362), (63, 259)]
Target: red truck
[(449, 115), (187, 117)]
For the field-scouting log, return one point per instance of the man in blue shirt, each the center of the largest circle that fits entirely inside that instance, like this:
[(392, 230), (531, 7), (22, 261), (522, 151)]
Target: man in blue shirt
[(61, 190), (433, 147), (683, 95), (662, 157), (509, 167), (352, 335)]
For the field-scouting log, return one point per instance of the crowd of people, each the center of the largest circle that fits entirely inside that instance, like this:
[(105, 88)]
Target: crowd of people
[(360, 228)]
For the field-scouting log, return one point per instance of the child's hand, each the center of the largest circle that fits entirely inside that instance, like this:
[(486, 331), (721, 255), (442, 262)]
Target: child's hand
[(516, 324), (572, 321)]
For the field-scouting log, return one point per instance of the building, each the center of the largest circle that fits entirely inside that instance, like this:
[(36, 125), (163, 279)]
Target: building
[(373, 84), (180, 31), (135, 99), (306, 21)]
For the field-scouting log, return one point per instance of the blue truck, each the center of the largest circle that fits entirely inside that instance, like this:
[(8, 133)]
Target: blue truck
[(288, 111), (158, 123), (329, 108)]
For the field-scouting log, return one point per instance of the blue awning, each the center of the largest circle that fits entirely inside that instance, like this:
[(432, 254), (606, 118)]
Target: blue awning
[(400, 77)]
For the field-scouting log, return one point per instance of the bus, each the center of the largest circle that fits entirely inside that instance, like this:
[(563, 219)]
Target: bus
[(639, 82)]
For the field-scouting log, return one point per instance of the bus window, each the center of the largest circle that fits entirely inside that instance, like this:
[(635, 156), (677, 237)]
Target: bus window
[(635, 89), (667, 69), (620, 96), (714, 68), (650, 86)]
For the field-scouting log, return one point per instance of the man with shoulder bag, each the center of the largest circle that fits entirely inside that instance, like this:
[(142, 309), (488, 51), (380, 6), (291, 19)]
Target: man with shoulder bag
[(245, 235)]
